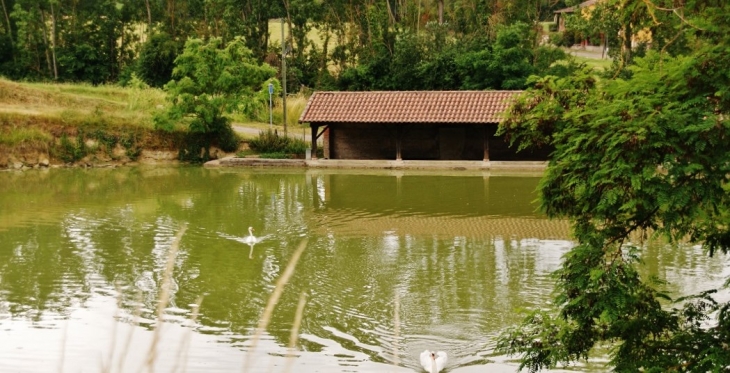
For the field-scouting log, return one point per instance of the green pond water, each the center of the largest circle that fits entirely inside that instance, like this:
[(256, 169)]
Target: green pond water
[(395, 262)]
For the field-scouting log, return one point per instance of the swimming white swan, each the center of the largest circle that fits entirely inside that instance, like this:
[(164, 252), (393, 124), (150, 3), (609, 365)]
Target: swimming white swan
[(249, 240), (432, 361)]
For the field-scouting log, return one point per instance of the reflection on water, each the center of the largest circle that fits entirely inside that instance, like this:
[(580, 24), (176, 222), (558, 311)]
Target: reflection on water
[(457, 256)]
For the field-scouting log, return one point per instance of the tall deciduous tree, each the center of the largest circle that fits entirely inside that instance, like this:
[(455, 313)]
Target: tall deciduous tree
[(211, 80), (643, 155)]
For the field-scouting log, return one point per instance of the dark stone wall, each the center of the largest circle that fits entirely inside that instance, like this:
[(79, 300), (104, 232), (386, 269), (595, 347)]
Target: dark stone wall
[(421, 142)]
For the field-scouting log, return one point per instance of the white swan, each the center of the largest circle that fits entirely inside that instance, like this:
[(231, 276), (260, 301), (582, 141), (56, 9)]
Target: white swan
[(249, 240), (432, 361)]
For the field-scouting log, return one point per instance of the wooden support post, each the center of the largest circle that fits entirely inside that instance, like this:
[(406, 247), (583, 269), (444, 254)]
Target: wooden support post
[(314, 129), (486, 143), (398, 142)]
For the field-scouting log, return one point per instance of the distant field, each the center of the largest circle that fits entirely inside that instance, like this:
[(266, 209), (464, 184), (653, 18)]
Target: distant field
[(275, 32)]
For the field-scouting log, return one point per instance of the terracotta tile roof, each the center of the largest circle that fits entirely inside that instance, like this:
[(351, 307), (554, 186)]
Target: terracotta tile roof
[(407, 107)]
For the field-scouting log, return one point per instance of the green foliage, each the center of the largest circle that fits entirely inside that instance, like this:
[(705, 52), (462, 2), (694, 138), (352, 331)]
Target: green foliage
[(511, 61), (244, 153), (69, 151), (72, 151), (211, 81), (24, 136), (434, 61), (270, 142), (106, 40), (132, 145), (275, 155), (157, 59), (258, 107), (647, 154), (107, 140)]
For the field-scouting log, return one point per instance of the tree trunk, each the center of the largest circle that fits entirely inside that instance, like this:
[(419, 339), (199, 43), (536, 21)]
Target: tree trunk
[(391, 17), (53, 42), (149, 19), (171, 12), (10, 31), (46, 44), (628, 35), (7, 19), (289, 24), (441, 12)]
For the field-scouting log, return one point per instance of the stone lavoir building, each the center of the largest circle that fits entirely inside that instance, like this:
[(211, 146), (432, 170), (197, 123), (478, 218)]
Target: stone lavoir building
[(412, 125)]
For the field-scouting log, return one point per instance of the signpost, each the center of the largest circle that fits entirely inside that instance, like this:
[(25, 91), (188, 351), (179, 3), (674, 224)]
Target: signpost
[(271, 114)]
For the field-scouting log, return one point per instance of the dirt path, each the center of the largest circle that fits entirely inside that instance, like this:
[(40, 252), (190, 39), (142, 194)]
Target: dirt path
[(249, 131)]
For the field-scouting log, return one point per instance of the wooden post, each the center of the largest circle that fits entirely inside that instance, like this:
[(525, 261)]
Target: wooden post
[(398, 144), (283, 77), (315, 129), (486, 143)]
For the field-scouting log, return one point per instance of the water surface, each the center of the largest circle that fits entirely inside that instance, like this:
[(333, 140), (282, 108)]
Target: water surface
[(395, 262)]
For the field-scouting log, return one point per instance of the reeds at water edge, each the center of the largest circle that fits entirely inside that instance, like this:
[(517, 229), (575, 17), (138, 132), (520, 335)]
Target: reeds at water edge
[(273, 300), (119, 360), (294, 337), (164, 297)]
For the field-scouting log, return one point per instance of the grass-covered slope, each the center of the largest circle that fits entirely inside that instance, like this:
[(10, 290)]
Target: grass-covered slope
[(65, 123)]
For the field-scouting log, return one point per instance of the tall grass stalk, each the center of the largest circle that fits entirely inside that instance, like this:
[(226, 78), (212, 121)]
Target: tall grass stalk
[(63, 348), (164, 297), (185, 344), (294, 337), (135, 321), (294, 107), (396, 328), (112, 347), (273, 300)]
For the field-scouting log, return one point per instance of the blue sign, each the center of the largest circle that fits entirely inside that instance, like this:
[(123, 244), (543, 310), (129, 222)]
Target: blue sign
[(271, 89)]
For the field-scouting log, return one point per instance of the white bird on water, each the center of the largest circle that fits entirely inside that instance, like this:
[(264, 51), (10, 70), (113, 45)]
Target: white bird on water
[(249, 240), (432, 361)]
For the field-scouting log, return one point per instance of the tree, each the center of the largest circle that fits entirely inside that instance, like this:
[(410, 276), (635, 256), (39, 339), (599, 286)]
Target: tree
[(157, 59), (211, 80), (646, 155)]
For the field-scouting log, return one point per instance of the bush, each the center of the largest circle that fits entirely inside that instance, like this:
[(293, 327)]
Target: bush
[(571, 38), (227, 139), (269, 141), (557, 39), (70, 152)]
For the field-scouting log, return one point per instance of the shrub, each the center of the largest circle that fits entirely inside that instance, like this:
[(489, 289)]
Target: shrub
[(557, 39), (269, 141), (69, 152), (227, 139), (132, 145)]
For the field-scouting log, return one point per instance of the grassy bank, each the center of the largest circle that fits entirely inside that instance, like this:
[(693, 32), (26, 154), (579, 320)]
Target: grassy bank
[(71, 123), (65, 122)]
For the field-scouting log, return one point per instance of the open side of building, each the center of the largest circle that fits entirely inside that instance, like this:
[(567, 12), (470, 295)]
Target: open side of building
[(412, 125)]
